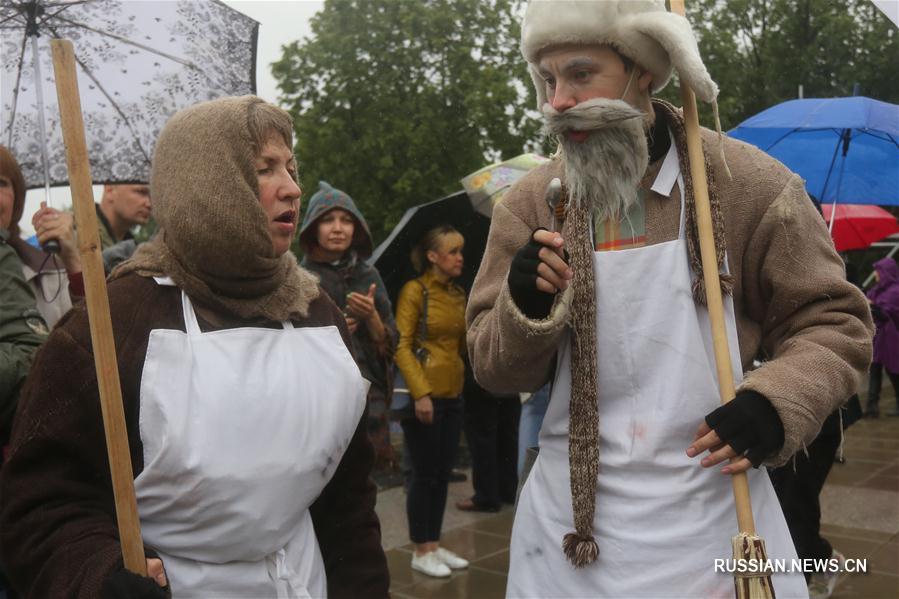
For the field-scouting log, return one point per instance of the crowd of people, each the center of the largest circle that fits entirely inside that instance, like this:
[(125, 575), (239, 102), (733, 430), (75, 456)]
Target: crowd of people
[(200, 307), (257, 388)]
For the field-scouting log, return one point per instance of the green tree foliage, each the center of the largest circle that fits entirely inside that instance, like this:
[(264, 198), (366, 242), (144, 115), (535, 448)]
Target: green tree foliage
[(395, 100), (760, 51)]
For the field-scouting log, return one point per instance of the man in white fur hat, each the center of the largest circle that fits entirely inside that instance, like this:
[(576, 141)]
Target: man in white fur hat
[(601, 292)]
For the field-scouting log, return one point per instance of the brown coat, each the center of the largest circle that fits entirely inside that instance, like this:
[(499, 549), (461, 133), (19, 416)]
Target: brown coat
[(794, 308), (58, 533)]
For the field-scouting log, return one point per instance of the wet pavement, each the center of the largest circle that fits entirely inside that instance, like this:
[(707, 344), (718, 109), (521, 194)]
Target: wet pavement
[(860, 508), (860, 517)]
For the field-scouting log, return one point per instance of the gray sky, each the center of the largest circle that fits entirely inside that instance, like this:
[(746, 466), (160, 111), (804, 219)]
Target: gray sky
[(890, 8), (280, 22)]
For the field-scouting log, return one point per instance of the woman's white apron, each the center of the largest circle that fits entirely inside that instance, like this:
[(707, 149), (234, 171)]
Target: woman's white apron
[(661, 519), (241, 430)]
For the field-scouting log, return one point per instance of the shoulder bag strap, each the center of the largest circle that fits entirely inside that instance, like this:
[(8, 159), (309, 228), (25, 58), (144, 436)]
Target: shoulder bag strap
[(423, 320)]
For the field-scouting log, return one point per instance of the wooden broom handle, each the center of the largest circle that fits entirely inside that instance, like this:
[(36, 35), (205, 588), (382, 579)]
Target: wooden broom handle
[(714, 301), (98, 307)]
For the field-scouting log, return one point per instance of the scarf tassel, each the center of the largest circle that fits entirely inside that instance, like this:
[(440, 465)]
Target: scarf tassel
[(581, 550)]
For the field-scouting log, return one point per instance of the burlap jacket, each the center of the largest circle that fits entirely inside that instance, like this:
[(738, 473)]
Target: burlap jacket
[(795, 310)]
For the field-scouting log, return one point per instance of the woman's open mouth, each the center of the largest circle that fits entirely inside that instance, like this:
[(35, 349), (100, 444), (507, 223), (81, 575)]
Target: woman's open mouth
[(287, 220)]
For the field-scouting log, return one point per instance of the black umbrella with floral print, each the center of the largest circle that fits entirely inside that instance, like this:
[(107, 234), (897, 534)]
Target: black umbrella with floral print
[(139, 62)]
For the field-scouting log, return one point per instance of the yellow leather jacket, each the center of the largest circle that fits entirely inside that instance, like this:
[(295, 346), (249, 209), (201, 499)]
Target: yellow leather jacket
[(443, 372)]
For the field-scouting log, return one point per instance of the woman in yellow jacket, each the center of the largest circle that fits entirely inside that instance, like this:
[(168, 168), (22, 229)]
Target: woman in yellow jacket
[(430, 358)]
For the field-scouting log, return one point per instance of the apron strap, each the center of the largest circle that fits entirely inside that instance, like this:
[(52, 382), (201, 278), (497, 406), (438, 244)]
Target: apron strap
[(190, 317), (681, 230), (280, 571)]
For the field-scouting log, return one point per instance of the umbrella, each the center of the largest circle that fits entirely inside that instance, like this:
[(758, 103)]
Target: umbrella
[(856, 227), (487, 186), (391, 257), (845, 148), (139, 62)]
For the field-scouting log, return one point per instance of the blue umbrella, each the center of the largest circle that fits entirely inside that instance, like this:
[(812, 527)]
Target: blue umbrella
[(845, 148)]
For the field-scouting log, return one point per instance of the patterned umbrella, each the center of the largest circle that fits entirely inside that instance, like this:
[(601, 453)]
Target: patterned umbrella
[(139, 63), (487, 186)]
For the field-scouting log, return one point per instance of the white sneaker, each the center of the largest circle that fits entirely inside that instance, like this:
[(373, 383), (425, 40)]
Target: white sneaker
[(821, 585), (451, 559), (430, 564)]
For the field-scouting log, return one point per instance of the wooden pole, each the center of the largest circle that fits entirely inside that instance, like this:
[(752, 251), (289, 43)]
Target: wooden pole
[(98, 307), (746, 544), (714, 301)]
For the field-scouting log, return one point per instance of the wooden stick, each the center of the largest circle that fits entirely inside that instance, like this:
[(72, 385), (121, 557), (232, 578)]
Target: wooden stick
[(712, 282), (98, 307)]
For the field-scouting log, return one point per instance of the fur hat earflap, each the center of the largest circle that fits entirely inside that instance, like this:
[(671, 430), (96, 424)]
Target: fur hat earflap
[(642, 30)]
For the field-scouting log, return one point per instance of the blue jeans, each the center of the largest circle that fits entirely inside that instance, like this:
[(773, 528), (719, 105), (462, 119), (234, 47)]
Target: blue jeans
[(532, 413)]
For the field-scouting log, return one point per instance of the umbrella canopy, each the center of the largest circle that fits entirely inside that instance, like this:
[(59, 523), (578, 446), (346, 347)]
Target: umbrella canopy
[(856, 227), (391, 258), (487, 186), (846, 149), (139, 62)]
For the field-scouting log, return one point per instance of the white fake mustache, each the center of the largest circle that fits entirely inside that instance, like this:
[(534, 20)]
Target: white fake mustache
[(591, 115)]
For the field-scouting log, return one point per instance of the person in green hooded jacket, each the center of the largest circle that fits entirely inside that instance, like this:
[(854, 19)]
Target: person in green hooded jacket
[(335, 240), (22, 328)]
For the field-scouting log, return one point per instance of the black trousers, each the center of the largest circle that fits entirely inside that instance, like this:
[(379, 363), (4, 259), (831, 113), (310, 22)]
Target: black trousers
[(491, 427), (875, 382), (798, 491), (432, 450)]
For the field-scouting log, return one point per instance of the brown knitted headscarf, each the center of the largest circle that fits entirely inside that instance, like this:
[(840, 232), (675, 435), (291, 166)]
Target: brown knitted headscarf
[(214, 240)]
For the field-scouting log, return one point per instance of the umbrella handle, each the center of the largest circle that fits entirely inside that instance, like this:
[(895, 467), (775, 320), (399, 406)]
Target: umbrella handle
[(97, 302), (714, 301)]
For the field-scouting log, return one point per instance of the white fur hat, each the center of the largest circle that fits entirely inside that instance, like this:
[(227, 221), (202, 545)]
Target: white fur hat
[(642, 30)]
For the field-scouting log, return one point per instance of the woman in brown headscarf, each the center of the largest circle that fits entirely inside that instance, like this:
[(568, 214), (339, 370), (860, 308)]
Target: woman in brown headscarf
[(242, 401)]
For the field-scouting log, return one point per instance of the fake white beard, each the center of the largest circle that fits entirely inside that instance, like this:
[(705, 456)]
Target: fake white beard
[(605, 169)]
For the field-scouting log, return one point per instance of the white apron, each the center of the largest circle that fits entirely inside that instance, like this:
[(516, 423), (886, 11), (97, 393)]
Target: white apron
[(241, 430), (661, 519)]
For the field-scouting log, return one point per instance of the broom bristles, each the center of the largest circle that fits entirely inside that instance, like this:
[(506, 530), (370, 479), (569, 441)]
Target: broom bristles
[(757, 583)]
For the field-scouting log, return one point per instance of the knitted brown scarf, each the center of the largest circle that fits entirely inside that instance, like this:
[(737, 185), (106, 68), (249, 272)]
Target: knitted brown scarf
[(583, 419), (676, 122), (580, 546), (214, 240)]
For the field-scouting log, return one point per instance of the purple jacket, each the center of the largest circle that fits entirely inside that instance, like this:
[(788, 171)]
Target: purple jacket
[(884, 298)]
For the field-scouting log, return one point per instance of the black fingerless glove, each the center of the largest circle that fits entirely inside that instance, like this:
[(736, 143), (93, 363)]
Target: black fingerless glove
[(750, 425), (877, 313), (532, 302), (124, 584)]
